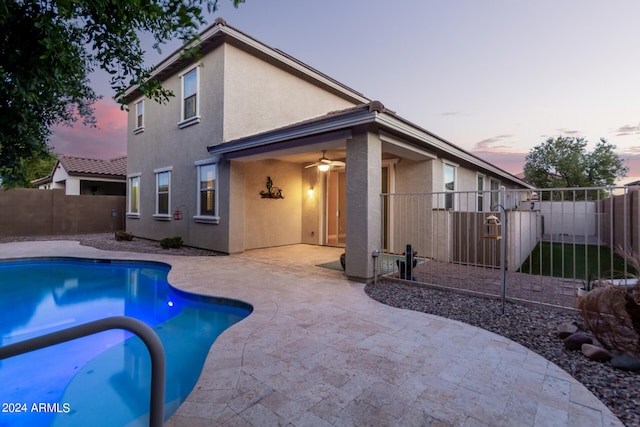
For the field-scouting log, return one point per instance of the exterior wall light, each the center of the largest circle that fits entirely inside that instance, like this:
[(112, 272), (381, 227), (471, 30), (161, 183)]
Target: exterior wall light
[(310, 192)]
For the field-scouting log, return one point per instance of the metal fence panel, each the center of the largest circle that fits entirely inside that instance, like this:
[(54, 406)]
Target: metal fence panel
[(555, 240)]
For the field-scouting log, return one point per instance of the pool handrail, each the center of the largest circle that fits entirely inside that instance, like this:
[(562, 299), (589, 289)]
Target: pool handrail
[(144, 332)]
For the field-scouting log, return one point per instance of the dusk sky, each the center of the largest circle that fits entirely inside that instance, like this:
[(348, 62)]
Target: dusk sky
[(495, 77)]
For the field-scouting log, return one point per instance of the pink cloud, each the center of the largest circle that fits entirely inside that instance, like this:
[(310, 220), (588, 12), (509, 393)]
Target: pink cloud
[(106, 141), (510, 162), (498, 143)]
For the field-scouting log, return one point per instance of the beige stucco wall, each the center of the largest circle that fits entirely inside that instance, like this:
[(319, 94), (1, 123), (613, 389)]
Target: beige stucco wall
[(260, 96), (272, 222), (163, 144), (239, 95), (30, 211), (412, 176)]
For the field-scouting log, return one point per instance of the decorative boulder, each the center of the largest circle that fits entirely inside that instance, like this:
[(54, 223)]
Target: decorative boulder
[(596, 353), (626, 362), (566, 330), (121, 235), (575, 341)]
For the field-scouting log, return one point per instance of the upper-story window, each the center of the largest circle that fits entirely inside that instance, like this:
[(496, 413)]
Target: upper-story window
[(449, 185), (139, 126), (190, 113)]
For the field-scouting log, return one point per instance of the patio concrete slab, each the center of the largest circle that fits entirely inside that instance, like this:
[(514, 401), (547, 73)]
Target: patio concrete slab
[(316, 351)]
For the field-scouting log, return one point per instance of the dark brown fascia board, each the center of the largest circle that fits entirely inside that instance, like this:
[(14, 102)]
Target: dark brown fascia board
[(97, 175)]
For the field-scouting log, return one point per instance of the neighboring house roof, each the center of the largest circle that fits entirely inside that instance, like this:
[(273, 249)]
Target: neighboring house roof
[(335, 125), (84, 166), (41, 181), (220, 32), (633, 183)]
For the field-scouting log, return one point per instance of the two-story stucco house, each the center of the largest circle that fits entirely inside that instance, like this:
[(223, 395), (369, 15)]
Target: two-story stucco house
[(232, 153)]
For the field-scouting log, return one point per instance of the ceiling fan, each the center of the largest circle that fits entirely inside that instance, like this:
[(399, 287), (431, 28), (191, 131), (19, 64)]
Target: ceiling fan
[(325, 164)]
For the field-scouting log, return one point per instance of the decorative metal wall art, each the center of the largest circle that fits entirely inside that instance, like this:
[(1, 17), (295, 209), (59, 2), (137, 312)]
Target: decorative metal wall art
[(272, 192)]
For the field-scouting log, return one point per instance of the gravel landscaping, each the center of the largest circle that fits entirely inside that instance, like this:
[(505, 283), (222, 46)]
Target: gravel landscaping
[(533, 327)]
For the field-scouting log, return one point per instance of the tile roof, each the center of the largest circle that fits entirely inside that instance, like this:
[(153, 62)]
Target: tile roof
[(81, 165)]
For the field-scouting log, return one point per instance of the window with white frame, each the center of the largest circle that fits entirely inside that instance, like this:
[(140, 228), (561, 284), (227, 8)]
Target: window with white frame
[(133, 205), (139, 126), (163, 193), (480, 206), (190, 113), (449, 185), (207, 210), (495, 193)]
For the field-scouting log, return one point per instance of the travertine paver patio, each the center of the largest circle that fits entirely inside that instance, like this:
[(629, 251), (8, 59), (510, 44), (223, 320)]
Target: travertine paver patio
[(317, 351)]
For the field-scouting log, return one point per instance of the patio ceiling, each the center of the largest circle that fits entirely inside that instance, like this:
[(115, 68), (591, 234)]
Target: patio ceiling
[(301, 150)]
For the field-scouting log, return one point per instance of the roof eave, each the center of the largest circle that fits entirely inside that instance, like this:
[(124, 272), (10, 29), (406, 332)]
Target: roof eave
[(220, 32), (404, 127), (385, 120), (294, 132)]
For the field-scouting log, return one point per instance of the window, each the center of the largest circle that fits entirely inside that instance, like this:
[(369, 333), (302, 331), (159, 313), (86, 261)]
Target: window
[(163, 193), (495, 194), (190, 101), (133, 210), (449, 185), (480, 193), (139, 127), (207, 194)]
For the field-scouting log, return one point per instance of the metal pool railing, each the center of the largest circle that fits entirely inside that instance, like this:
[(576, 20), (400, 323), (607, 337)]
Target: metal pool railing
[(146, 334)]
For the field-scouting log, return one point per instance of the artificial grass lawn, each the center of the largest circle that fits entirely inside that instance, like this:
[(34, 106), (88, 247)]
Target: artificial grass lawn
[(549, 257)]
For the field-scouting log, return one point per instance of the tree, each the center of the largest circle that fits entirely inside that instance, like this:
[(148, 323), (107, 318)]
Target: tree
[(564, 162), (36, 168), (48, 48)]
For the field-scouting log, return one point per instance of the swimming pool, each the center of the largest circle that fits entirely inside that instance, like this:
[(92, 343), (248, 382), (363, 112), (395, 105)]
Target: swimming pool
[(102, 379)]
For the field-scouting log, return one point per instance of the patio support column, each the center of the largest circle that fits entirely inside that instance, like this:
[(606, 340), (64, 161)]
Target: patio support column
[(364, 184), (236, 216)]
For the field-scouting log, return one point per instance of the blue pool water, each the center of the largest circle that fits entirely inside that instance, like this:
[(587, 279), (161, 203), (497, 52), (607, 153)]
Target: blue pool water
[(102, 379)]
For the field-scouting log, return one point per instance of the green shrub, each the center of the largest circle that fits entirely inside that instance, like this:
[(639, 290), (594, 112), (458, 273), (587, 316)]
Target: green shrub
[(171, 242)]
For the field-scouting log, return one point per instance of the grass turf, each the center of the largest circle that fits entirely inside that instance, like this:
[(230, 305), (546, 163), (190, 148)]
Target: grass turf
[(591, 261)]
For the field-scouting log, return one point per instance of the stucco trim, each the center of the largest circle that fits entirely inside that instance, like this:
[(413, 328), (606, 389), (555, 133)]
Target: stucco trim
[(207, 219)]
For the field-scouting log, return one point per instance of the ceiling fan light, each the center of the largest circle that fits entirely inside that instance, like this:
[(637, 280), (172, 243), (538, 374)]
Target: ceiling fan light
[(323, 167)]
